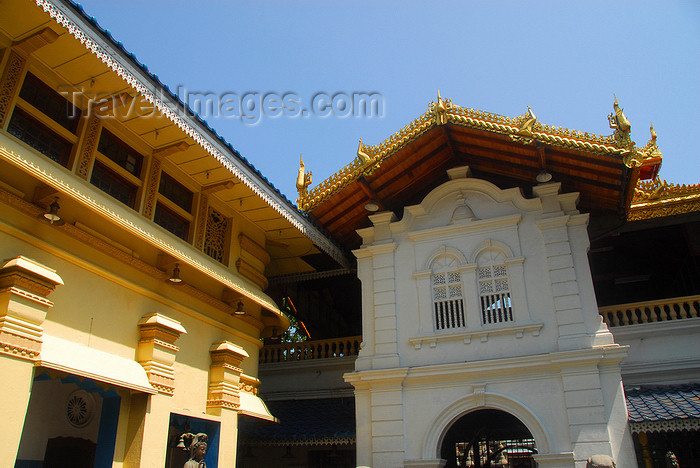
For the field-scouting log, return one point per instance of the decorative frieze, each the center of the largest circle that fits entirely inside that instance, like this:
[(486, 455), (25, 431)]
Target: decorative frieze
[(24, 287), (10, 83), (202, 222), (225, 375), (156, 350), (87, 152), (216, 235), (149, 203)]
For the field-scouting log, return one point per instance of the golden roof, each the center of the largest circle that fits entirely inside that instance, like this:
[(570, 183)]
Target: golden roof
[(657, 199), (524, 129)]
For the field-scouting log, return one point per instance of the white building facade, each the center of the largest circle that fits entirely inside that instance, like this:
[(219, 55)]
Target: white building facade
[(479, 304)]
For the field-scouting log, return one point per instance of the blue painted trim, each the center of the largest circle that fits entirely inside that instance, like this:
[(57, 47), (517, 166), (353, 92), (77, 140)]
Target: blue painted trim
[(107, 434)]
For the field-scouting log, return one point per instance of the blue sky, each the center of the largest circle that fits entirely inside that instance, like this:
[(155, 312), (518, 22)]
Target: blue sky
[(563, 59)]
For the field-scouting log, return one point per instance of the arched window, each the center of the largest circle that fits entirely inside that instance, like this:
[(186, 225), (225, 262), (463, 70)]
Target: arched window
[(494, 287), (448, 299)]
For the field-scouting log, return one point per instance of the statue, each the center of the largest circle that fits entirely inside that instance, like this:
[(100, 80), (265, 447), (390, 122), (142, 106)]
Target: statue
[(600, 461), (197, 446)]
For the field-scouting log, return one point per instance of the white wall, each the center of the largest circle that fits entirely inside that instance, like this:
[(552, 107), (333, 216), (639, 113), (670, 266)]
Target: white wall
[(554, 366)]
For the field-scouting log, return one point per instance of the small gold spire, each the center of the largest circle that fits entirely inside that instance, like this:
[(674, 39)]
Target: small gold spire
[(303, 179)]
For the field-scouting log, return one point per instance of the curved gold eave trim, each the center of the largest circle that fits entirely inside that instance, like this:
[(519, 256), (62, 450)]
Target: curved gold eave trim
[(373, 156), (657, 199), (36, 166)]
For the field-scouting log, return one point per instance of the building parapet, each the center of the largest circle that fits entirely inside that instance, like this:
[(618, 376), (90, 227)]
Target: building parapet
[(307, 350), (660, 310)]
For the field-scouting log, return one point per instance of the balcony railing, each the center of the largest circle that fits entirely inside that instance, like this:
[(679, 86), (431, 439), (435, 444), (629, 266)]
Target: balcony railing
[(661, 310), (306, 350)]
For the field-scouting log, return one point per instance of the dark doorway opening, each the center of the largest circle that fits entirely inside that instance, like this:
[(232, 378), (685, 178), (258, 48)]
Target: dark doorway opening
[(488, 439)]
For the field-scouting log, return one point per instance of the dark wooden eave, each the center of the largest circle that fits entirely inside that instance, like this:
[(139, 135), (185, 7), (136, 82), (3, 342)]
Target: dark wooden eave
[(408, 175)]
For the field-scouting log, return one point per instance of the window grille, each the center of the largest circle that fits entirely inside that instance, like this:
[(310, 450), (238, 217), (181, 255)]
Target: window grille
[(110, 183), (175, 192), (494, 294), (36, 135), (51, 103), (448, 303), (171, 222), (120, 153)]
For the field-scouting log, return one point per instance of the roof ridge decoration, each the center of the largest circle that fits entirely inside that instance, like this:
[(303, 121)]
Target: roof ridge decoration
[(108, 58), (658, 198), (525, 129)]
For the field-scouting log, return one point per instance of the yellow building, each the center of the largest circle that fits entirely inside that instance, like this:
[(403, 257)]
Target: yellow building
[(135, 247)]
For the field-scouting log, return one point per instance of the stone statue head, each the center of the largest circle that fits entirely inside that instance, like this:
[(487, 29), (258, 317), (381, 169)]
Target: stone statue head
[(600, 461), (198, 447)]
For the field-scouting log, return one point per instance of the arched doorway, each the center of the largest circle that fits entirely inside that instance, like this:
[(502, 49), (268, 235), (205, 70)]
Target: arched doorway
[(488, 438)]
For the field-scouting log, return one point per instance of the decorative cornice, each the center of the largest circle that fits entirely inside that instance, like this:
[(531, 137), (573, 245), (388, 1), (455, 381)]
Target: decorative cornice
[(657, 199), (524, 129), (674, 425), (221, 403), (19, 346)]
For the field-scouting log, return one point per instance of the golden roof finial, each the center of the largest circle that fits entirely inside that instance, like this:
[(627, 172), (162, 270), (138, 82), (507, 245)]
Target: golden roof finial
[(303, 179), (364, 157), (528, 119), (440, 109), (618, 122), (651, 150)]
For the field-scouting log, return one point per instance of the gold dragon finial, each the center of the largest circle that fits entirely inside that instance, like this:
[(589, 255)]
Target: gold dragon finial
[(618, 122), (525, 130), (651, 150), (439, 109), (362, 154), (303, 180)]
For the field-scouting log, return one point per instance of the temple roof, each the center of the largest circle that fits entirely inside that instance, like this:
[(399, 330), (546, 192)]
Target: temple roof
[(667, 407), (507, 151), (663, 403), (656, 199)]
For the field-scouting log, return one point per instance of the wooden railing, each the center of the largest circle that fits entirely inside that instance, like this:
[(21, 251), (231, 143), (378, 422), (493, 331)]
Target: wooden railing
[(306, 350), (661, 310)]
